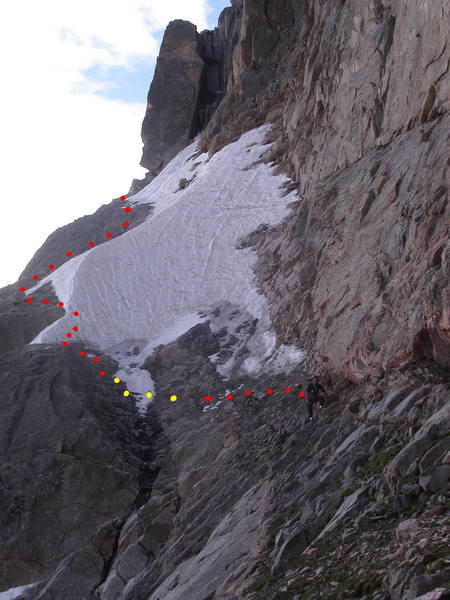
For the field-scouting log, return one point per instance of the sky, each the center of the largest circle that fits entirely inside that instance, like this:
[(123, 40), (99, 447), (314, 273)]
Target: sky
[(75, 76)]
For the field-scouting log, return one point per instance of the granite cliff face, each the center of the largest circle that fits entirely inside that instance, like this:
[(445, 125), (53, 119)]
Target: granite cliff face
[(360, 92), (246, 498)]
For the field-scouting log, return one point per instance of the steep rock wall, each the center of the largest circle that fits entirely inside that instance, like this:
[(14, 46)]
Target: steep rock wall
[(360, 91), (359, 274), (72, 461)]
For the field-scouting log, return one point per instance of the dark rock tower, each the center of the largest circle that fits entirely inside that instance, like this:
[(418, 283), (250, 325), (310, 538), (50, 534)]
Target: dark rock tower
[(190, 81)]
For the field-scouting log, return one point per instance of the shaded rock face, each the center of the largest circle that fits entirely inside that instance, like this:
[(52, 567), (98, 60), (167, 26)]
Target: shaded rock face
[(360, 94), (71, 457), (189, 82), (171, 117), (217, 52), (75, 236), (20, 322), (234, 497)]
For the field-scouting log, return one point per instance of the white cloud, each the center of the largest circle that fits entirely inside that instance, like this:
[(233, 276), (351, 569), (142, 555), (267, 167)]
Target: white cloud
[(64, 153)]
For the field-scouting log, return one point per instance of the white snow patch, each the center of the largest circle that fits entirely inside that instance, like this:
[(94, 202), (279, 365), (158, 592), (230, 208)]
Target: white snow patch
[(15, 592), (180, 326), (282, 360), (138, 379), (66, 283), (181, 260)]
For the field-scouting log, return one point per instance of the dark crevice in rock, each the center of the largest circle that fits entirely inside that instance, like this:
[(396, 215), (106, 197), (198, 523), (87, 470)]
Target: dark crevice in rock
[(422, 345), (367, 204), (212, 86), (108, 560), (152, 441)]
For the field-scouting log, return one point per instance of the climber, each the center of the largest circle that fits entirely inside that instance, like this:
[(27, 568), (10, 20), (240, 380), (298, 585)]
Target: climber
[(316, 395)]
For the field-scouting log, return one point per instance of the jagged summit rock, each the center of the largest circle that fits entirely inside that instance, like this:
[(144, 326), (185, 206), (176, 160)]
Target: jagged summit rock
[(172, 103), (189, 82)]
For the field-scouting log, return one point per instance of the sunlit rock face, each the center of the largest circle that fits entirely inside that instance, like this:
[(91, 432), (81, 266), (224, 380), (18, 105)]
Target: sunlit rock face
[(361, 94)]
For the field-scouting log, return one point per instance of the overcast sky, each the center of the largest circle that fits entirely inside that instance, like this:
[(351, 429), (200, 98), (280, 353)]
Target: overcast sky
[(75, 75)]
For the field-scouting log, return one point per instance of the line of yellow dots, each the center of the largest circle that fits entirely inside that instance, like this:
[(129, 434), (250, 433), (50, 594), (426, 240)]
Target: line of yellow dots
[(126, 393), (174, 398)]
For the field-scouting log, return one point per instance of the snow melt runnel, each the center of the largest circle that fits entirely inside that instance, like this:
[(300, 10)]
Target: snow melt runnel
[(183, 258)]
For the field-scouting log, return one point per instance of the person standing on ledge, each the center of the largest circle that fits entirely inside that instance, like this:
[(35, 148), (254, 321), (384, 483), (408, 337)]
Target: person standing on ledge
[(316, 395)]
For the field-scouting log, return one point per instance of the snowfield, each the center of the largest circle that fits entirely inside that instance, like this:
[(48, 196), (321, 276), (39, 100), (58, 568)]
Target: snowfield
[(149, 283), (15, 592)]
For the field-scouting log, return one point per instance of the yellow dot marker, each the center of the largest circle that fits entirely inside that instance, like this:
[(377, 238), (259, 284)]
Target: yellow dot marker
[(116, 380), (126, 393), (149, 395), (173, 398)]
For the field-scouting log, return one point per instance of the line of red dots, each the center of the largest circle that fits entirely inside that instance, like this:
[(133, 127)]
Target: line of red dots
[(268, 392), (51, 267), (96, 359)]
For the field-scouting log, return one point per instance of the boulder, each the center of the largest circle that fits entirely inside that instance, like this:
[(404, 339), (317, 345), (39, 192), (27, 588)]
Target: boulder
[(407, 529), (436, 481), (76, 577), (436, 594), (422, 584)]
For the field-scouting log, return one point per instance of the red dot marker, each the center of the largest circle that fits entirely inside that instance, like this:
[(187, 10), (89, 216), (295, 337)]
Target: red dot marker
[(302, 394), (76, 313), (127, 209), (108, 235), (287, 389), (230, 396), (29, 300), (248, 393), (51, 267), (69, 254), (96, 359), (82, 353), (35, 277), (125, 224), (207, 398), (102, 373), (60, 303), (75, 328), (22, 289), (45, 301), (91, 244), (269, 391), (123, 198), (69, 335), (65, 343)]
